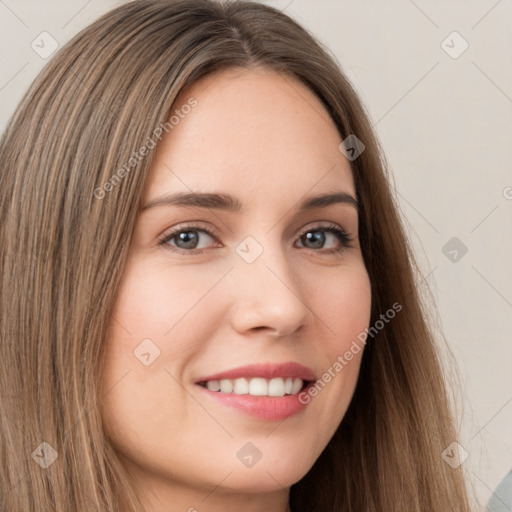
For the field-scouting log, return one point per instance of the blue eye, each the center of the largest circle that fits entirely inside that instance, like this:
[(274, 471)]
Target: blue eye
[(315, 238), (186, 238), (190, 239)]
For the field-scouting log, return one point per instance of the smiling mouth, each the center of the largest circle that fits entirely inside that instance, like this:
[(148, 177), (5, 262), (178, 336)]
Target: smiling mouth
[(257, 386)]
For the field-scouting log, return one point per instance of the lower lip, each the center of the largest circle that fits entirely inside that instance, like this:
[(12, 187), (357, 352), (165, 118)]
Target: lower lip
[(270, 408)]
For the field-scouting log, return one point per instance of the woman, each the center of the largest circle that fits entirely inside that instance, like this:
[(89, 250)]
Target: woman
[(208, 299)]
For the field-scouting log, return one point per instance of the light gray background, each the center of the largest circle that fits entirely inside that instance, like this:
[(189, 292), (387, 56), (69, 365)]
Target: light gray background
[(445, 124)]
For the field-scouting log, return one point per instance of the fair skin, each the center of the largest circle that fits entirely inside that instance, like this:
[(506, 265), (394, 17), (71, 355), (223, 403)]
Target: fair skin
[(266, 140)]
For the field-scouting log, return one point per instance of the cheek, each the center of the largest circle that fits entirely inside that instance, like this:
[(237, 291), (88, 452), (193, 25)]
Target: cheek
[(343, 307), (159, 323), (156, 298)]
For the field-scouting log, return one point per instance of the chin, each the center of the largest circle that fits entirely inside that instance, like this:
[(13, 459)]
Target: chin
[(272, 475)]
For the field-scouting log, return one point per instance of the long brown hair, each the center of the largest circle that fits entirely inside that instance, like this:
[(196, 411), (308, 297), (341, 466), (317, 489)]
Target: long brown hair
[(63, 251)]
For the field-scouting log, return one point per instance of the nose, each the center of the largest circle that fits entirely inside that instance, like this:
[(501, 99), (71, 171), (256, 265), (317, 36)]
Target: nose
[(268, 295)]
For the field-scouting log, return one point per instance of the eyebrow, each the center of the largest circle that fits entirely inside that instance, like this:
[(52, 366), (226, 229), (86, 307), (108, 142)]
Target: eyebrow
[(229, 203)]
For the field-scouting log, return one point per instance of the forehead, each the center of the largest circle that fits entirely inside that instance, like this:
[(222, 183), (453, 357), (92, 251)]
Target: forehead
[(251, 132)]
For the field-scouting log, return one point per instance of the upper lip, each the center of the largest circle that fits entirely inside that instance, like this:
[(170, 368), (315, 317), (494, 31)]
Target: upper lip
[(265, 370)]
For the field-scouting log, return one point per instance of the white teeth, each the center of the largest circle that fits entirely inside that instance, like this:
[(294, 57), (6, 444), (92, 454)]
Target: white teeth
[(276, 387), (226, 386), (241, 387), (213, 385), (288, 386), (257, 386), (296, 386)]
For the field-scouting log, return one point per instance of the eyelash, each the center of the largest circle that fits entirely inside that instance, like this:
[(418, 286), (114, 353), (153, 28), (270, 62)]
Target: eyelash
[(345, 239)]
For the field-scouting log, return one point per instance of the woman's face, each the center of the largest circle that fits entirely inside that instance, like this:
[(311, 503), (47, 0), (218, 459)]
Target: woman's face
[(254, 290)]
